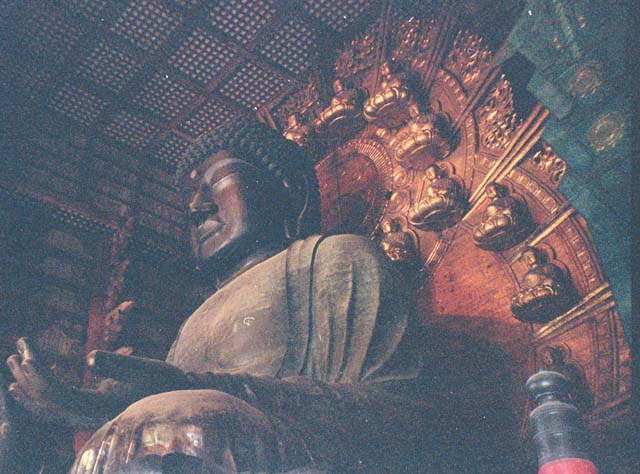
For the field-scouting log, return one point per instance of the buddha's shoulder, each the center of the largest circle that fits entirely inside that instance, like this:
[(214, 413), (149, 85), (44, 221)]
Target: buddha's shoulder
[(349, 248)]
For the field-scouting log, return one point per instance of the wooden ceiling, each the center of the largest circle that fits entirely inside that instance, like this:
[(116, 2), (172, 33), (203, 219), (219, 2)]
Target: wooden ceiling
[(154, 75)]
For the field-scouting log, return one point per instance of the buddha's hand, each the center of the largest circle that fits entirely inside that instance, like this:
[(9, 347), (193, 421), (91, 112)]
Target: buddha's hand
[(143, 376), (36, 388)]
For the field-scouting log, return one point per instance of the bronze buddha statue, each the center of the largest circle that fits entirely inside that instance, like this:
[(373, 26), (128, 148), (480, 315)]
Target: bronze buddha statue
[(441, 204), (544, 292), (503, 220), (305, 357)]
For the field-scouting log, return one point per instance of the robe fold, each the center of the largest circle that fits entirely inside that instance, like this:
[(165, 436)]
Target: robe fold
[(301, 362)]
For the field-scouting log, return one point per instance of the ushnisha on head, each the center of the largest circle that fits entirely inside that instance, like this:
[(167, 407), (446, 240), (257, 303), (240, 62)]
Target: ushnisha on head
[(248, 188)]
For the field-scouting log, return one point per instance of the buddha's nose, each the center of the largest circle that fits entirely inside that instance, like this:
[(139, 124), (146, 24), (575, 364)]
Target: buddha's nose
[(201, 206)]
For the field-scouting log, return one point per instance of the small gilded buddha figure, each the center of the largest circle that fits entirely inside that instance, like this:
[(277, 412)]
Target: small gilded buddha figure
[(296, 131), (389, 106), (544, 291), (441, 204), (397, 244), (502, 221), (422, 140), (344, 105), (555, 358)]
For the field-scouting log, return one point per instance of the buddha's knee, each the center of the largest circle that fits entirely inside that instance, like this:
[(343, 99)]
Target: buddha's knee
[(206, 428)]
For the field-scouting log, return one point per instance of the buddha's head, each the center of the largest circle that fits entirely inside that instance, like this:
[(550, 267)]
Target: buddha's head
[(532, 256), (385, 69), (338, 86), (293, 120), (433, 172), (249, 188), (495, 190)]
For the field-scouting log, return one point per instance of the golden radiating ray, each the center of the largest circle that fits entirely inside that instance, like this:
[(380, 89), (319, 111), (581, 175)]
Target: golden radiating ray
[(599, 299), (443, 38), (437, 253), (381, 41), (507, 151), (527, 135), (543, 230), (526, 148), (551, 226)]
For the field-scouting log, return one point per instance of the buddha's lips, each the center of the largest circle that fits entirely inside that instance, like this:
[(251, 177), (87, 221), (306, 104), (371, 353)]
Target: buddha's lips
[(208, 229)]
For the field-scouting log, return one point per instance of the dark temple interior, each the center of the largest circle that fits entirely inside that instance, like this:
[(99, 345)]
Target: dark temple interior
[(103, 99)]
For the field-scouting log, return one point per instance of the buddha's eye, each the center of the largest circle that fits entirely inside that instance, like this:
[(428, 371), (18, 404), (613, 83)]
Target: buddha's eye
[(199, 214), (201, 205)]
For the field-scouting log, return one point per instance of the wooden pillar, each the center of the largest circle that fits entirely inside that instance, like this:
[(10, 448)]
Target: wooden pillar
[(106, 313)]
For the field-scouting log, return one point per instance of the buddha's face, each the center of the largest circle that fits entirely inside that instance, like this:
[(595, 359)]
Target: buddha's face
[(531, 257), (492, 191), (293, 120), (230, 210), (433, 172)]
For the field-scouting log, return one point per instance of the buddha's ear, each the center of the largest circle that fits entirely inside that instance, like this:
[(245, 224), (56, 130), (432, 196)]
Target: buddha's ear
[(299, 224), (295, 220)]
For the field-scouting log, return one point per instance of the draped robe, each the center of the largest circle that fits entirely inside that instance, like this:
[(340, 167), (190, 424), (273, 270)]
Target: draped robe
[(305, 361)]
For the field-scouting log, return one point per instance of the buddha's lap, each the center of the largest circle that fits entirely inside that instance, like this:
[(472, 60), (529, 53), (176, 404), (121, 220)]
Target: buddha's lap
[(207, 424)]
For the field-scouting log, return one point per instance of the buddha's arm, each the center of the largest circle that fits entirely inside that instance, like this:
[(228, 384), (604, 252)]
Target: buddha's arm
[(315, 406), (42, 394)]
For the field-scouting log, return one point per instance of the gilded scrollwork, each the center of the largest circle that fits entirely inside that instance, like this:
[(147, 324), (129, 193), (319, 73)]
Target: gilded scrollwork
[(441, 202), (359, 56), (304, 103), (414, 41), (496, 117), (468, 58), (550, 164)]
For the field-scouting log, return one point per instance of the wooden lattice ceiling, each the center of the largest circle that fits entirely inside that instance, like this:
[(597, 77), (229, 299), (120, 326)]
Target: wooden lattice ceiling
[(154, 75)]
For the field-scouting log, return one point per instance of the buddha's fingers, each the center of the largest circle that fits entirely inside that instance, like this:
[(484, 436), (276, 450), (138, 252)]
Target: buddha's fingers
[(24, 349)]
